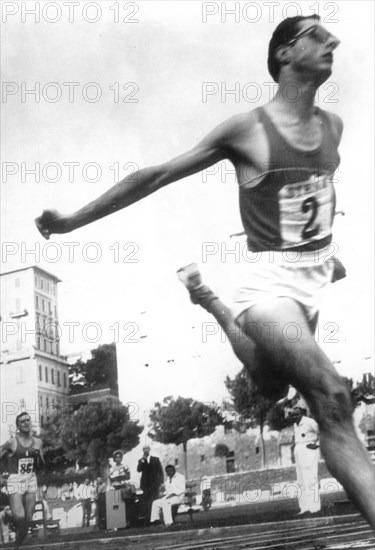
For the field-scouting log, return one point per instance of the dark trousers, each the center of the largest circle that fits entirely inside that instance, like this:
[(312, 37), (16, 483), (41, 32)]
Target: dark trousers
[(86, 512), (149, 496)]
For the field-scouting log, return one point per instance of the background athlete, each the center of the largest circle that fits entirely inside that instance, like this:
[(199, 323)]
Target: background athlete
[(285, 155), (24, 455)]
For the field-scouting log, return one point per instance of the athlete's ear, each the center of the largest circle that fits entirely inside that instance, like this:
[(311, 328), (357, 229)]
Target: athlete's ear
[(283, 55)]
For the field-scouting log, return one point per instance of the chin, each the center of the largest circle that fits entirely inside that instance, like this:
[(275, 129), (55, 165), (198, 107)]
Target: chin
[(323, 75)]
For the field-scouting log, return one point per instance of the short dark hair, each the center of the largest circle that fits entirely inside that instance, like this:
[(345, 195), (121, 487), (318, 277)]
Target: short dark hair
[(170, 466), (117, 453), (283, 33), (19, 416)]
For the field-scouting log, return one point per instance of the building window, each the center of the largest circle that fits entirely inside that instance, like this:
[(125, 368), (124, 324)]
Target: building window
[(256, 450), (44, 344), (58, 378), (52, 376), (46, 374), (41, 284), (40, 373), (203, 458), (65, 385), (176, 461), (43, 308), (47, 286), (36, 302), (37, 339), (36, 280), (18, 282), (230, 463)]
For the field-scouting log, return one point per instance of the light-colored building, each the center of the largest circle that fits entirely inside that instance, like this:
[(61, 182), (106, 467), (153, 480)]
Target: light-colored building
[(34, 377)]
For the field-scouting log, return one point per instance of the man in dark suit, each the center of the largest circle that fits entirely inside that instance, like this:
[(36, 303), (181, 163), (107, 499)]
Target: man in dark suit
[(151, 479)]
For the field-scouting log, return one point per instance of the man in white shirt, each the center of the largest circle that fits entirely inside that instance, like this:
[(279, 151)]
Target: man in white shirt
[(306, 453), (86, 494), (174, 494)]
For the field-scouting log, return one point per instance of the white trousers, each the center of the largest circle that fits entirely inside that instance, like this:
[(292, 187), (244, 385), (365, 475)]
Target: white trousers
[(164, 504), (307, 478)]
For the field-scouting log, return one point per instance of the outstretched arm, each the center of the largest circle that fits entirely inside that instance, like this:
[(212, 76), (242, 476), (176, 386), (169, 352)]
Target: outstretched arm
[(135, 187)]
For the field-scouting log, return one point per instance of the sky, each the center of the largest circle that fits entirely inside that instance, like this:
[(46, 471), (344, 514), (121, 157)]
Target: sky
[(122, 85)]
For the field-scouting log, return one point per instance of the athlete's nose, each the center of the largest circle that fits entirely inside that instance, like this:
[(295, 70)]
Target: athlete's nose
[(333, 42)]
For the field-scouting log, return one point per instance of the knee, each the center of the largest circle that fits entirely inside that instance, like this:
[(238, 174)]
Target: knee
[(18, 516), (333, 402)]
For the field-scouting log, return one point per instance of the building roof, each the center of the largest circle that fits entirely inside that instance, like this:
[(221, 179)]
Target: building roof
[(33, 267)]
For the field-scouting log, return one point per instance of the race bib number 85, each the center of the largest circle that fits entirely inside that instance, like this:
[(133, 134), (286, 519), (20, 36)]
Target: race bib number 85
[(306, 210), (25, 466)]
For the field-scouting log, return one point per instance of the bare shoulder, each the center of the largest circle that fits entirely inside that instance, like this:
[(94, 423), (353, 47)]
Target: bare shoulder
[(9, 445), (38, 442), (240, 123), (235, 129), (336, 123)]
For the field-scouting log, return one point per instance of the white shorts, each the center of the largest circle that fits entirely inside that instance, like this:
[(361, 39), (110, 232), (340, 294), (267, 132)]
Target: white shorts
[(265, 281), (22, 484)]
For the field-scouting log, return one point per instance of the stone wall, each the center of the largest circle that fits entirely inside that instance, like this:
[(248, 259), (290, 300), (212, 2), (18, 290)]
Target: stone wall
[(245, 446)]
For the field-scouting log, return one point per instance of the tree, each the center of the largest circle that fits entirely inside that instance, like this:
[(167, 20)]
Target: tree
[(362, 392), (99, 371), (179, 420), (89, 435), (252, 407)]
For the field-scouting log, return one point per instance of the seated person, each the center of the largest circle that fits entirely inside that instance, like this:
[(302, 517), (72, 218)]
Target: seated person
[(174, 494)]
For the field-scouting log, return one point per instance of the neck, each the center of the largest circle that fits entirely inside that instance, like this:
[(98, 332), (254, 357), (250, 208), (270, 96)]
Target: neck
[(296, 99), (24, 437)]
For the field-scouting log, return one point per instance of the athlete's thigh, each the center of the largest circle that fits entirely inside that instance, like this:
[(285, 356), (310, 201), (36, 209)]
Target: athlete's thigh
[(280, 328), (17, 505)]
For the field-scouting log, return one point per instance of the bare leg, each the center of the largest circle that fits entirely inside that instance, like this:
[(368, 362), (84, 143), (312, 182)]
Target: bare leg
[(267, 379), (20, 517), (309, 370)]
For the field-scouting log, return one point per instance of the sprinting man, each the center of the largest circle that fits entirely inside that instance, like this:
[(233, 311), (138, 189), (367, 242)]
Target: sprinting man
[(24, 454), (266, 378), (285, 154)]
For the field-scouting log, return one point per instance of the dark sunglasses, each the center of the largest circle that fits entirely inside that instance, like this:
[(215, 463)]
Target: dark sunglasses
[(320, 35)]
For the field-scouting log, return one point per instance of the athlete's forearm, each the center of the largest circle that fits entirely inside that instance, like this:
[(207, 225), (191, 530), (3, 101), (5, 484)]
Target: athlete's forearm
[(126, 192)]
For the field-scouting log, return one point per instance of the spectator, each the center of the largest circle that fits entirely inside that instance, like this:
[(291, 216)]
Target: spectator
[(86, 496), (306, 453), (100, 513), (206, 493), (151, 478), (174, 494), (119, 474)]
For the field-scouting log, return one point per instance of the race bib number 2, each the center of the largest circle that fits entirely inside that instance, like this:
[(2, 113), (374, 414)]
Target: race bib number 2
[(25, 466), (306, 210)]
